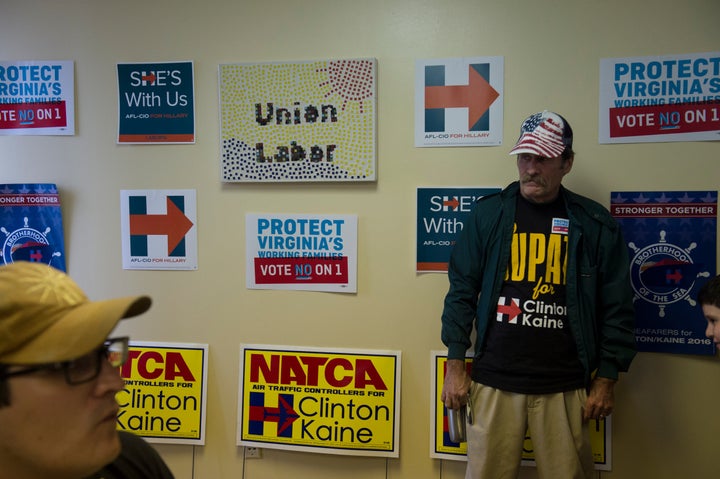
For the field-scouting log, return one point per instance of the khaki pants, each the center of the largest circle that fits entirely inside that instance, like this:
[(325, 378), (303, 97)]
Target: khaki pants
[(500, 419)]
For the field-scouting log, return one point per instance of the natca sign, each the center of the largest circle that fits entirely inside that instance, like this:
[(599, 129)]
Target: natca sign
[(319, 400), (165, 389)]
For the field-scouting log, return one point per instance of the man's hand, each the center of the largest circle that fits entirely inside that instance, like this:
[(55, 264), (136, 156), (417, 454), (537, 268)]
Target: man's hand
[(601, 399), (456, 385)]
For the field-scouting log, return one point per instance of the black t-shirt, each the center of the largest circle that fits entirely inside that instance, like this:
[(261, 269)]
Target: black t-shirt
[(529, 348), (137, 460)]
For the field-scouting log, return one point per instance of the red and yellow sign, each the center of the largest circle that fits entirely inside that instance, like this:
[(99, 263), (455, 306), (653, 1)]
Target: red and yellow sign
[(319, 400), (442, 447), (164, 395)]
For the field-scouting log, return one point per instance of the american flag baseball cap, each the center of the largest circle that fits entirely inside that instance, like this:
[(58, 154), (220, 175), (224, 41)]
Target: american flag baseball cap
[(544, 134)]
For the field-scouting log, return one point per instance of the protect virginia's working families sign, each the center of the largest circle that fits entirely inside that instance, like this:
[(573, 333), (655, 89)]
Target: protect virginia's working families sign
[(324, 400), (31, 223), (660, 98), (301, 252), (671, 239), (302, 121), (164, 398), (37, 98)]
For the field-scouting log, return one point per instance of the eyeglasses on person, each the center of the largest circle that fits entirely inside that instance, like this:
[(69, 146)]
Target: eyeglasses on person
[(85, 368)]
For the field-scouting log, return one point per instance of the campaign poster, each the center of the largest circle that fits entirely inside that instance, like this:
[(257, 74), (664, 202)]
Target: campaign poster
[(441, 213), (459, 101), (322, 400), (156, 103), (660, 98), (309, 121), (165, 394), (441, 447), (159, 229), (37, 98), (31, 224), (302, 252), (672, 243)]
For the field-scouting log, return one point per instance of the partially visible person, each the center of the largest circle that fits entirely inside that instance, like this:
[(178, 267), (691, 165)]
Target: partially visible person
[(137, 460), (59, 378), (709, 299)]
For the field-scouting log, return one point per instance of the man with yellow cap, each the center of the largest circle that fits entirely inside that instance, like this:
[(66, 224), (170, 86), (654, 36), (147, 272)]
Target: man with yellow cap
[(58, 380)]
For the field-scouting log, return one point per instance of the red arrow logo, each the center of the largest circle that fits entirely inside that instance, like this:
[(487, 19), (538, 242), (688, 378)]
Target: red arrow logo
[(149, 78), (284, 415), (477, 96), (174, 224), (453, 203), (512, 309)]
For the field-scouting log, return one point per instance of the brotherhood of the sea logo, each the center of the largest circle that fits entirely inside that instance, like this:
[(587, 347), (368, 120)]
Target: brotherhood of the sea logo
[(28, 244), (663, 273)]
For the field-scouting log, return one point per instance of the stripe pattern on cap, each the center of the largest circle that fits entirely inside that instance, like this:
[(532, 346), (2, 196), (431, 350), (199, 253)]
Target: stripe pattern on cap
[(542, 135)]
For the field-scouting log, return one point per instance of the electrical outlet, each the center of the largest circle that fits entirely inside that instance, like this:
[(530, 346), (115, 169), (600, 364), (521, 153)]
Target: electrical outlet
[(253, 452)]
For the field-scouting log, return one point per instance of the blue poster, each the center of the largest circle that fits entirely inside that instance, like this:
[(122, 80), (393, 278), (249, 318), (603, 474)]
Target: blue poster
[(31, 222), (671, 239), (440, 216), (156, 103)]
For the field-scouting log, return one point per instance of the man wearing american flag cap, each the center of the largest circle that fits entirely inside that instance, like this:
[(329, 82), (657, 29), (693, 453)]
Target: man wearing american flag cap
[(542, 274)]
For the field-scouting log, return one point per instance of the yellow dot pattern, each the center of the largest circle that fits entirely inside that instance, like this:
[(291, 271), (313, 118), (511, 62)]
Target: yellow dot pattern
[(288, 109)]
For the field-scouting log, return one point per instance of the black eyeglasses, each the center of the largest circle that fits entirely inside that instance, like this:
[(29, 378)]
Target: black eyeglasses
[(85, 368)]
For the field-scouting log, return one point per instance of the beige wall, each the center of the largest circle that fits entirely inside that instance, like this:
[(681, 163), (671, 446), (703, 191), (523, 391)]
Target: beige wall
[(663, 425)]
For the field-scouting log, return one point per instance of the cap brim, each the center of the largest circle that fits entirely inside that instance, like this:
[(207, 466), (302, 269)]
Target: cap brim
[(78, 331)]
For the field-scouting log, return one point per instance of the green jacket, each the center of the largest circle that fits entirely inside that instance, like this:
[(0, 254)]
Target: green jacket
[(599, 295)]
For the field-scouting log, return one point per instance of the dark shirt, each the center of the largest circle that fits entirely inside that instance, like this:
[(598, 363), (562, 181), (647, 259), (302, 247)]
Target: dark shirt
[(529, 348), (137, 460)]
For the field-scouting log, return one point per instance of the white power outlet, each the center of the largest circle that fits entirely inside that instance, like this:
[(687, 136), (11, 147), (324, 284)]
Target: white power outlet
[(253, 452)]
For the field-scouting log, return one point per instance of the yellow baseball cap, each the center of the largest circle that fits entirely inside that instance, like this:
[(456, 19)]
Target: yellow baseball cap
[(45, 317)]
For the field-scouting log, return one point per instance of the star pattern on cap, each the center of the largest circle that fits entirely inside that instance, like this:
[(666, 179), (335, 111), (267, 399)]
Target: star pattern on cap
[(52, 285), (532, 122)]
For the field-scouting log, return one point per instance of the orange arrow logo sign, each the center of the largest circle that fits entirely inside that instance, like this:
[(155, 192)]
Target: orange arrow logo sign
[(174, 224), (476, 96)]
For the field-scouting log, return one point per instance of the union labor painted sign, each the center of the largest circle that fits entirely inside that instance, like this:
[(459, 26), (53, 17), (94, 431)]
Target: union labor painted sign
[(305, 121)]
